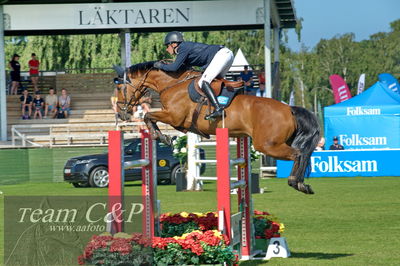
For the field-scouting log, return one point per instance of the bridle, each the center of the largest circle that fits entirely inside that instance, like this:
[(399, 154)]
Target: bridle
[(125, 105)]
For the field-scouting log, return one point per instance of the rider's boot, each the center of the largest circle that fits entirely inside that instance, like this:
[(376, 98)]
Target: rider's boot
[(218, 111)]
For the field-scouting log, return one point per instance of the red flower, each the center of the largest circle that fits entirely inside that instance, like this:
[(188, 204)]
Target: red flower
[(121, 245), (81, 260), (275, 227)]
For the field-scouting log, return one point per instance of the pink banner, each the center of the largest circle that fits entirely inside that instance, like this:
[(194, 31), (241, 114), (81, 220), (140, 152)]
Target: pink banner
[(340, 89)]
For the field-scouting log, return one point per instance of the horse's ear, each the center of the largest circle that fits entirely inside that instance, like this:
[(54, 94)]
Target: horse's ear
[(120, 70)]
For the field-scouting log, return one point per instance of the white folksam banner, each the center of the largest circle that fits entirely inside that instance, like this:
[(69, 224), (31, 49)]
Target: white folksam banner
[(361, 84)]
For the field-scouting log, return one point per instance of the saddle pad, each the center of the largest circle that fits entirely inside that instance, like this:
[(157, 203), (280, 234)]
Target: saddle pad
[(224, 99)]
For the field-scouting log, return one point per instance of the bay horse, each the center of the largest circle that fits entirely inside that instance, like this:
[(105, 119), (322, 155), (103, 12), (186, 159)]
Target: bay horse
[(278, 130)]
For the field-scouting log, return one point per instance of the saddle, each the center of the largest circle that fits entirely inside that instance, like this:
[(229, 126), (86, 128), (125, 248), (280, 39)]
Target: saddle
[(224, 90)]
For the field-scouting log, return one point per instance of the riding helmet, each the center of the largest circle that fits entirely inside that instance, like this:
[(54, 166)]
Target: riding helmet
[(173, 36)]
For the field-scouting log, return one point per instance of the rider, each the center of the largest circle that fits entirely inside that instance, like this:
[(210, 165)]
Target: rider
[(215, 60)]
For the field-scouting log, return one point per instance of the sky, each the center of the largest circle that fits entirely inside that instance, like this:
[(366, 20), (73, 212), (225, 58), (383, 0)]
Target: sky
[(323, 19)]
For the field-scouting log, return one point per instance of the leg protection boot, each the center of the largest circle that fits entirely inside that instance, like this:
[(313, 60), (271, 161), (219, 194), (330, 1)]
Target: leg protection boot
[(206, 88)]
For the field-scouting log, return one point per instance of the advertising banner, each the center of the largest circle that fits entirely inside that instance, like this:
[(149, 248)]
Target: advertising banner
[(367, 121), (348, 163), (390, 82), (133, 15), (361, 84), (340, 89)]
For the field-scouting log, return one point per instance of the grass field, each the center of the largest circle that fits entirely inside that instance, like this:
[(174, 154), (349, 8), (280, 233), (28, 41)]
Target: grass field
[(349, 221)]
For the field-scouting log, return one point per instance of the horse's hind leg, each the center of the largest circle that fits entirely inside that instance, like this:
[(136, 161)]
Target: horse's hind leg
[(293, 178), (285, 152)]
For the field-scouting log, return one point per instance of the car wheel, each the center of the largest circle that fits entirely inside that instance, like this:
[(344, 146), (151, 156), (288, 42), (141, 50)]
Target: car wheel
[(99, 177), (81, 184), (177, 169)]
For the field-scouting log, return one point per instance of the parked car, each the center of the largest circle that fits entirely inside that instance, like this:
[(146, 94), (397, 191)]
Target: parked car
[(92, 170)]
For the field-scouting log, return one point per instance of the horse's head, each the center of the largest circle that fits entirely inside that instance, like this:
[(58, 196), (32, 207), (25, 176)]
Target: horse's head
[(131, 86)]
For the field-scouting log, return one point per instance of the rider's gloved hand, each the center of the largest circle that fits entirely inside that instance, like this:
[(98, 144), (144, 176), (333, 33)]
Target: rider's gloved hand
[(157, 64)]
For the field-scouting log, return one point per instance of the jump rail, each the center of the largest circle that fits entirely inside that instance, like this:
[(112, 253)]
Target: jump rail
[(116, 183)]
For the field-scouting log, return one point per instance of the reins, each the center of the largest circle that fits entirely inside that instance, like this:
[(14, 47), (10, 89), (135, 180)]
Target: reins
[(188, 77), (133, 99)]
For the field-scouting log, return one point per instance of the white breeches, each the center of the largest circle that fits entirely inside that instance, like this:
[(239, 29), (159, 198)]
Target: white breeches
[(219, 66)]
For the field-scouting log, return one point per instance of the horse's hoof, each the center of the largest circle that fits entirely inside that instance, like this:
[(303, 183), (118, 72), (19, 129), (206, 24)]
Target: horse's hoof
[(304, 188), (166, 140)]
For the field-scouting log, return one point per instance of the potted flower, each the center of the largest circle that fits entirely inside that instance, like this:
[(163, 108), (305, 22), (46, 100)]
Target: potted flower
[(197, 247), (181, 223), (121, 249), (266, 226)]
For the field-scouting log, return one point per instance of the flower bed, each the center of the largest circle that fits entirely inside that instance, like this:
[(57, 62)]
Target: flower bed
[(265, 225), (120, 249), (197, 247), (186, 238), (181, 223)]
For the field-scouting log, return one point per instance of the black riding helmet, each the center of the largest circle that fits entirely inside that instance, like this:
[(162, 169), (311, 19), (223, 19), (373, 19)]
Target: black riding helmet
[(173, 36)]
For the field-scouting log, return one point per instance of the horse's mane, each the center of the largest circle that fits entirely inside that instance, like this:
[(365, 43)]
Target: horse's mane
[(141, 66)]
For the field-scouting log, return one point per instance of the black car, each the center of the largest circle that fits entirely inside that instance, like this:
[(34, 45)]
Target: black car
[(92, 170)]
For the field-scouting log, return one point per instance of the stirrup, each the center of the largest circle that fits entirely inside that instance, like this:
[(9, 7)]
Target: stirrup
[(215, 114)]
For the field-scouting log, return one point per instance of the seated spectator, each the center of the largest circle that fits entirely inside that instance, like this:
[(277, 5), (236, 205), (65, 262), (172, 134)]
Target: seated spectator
[(145, 103), (138, 115), (247, 77), (64, 103), (38, 105), (320, 145), (26, 104), (51, 104), (336, 145)]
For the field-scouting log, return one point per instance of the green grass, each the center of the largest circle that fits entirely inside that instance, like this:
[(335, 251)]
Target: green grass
[(349, 221)]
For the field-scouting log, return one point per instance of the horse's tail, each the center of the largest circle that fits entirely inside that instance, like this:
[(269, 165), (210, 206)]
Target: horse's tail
[(306, 137)]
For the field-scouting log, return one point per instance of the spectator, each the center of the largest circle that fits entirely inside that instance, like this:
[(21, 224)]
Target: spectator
[(138, 116), (247, 77), (38, 105), (26, 104), (261, 77), (114, 105), (145, 103), (51, 104), (15, 74), (336, 145), (34, 71), (260, 91), (320, 145), (64, 103)]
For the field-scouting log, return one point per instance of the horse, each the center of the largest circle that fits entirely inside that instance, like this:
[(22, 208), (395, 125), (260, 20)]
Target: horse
[(278, 130)]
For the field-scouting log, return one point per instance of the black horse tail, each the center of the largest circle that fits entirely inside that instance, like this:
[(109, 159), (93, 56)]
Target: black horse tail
[(306, 138)]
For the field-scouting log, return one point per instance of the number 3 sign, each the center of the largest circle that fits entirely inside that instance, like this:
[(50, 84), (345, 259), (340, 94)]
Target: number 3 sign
[(277, 248)]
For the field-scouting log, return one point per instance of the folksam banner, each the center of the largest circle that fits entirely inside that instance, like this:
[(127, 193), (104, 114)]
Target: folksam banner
[(348, 163), (340, 89), (390, 82), (370, 120)]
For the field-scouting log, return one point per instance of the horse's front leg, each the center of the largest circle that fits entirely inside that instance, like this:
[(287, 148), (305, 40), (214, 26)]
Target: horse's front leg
[(151, 119)]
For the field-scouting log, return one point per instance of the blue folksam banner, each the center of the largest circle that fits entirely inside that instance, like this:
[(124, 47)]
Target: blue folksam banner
[(348, 163), (390, 82)]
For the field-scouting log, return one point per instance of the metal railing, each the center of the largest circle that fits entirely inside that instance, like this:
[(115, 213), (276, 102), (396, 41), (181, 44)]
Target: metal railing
[(47, 135)]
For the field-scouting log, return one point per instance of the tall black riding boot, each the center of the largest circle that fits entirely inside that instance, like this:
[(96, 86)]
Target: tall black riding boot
[(206, 88)]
